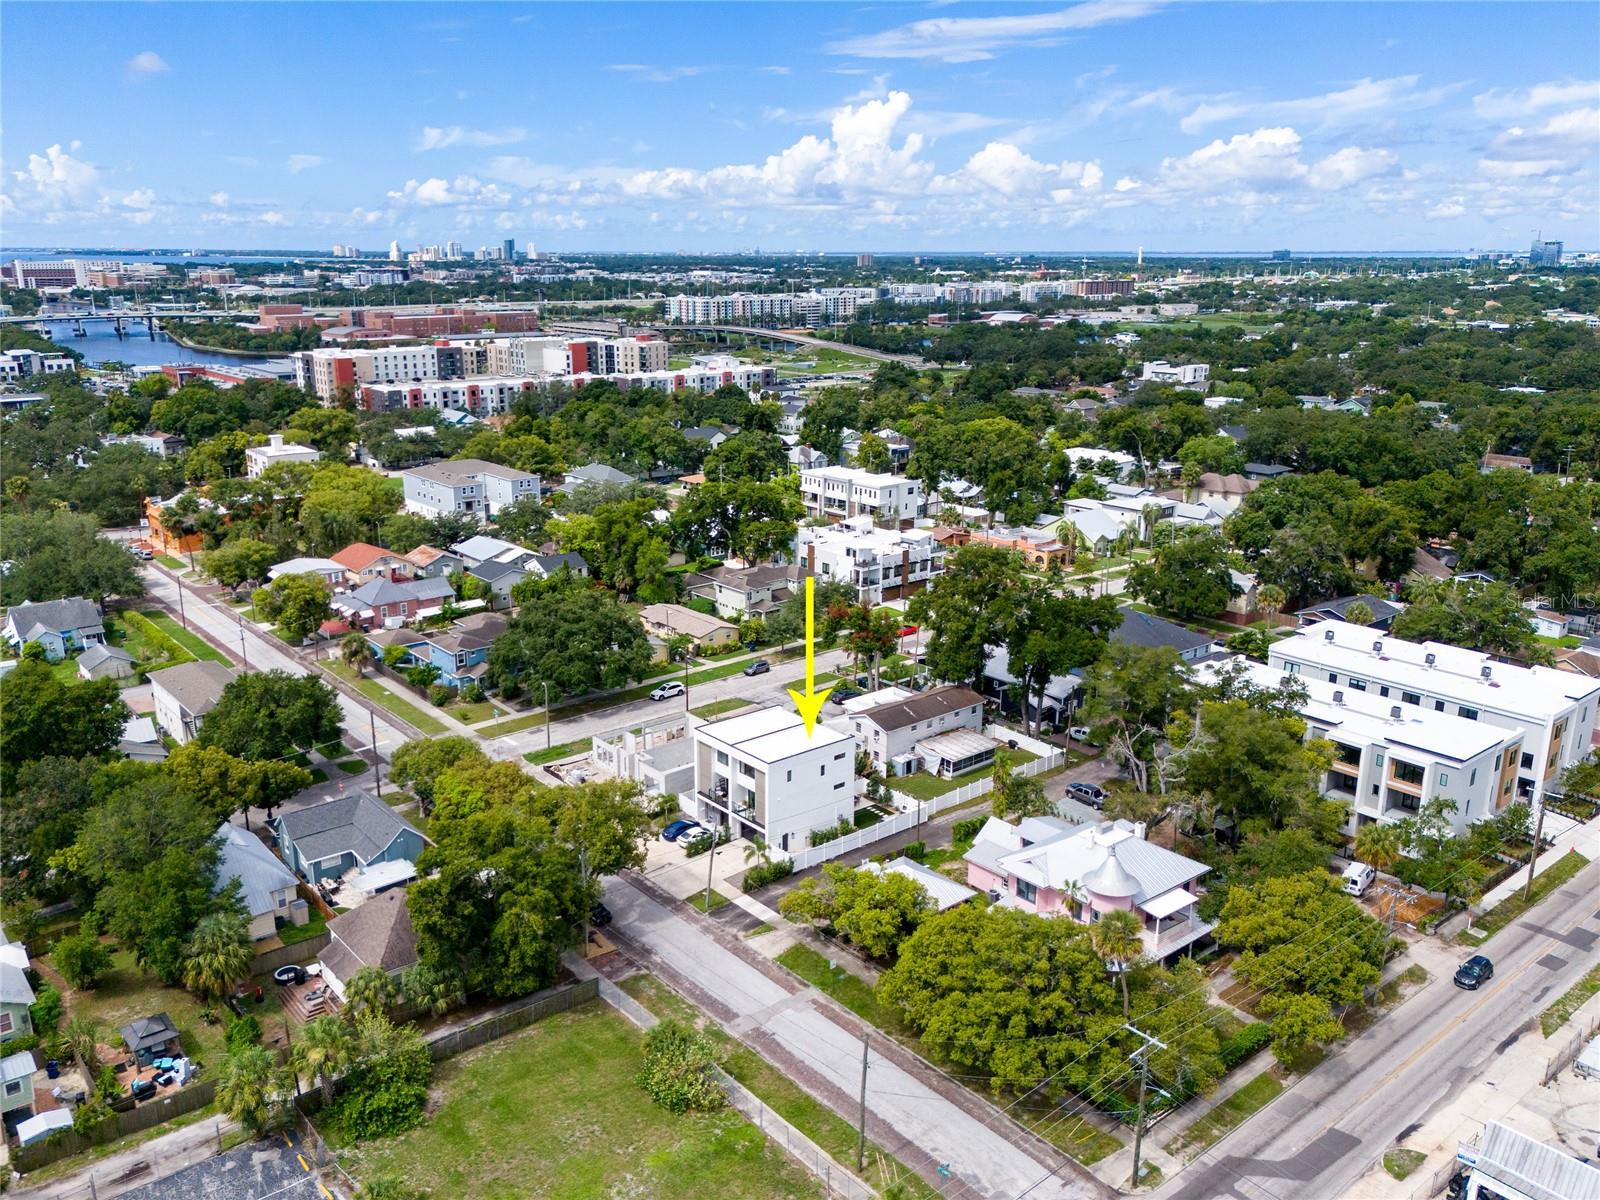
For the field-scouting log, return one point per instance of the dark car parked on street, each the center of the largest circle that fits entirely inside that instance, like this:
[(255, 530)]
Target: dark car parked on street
[(1476, 971)]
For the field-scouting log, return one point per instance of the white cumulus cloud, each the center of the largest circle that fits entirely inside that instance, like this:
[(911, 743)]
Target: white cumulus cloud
[(435, 137), (1350, 165), (1510, 103), (145, 64)]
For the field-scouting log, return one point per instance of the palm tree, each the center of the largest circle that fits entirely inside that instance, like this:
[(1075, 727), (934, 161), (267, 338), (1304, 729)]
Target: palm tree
[(83, 1038), (432, 991), (218, 955), (1380, 847), (250, 1087), (1116, 939), (756, 852), (1270, 599), (355, 652), (325, 1048), (1074, 897), (370, 990), (1359, 613)]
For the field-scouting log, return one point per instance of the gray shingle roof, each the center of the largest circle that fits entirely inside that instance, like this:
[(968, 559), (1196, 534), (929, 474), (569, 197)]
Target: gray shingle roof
[(356, 823), (378, 933), (1142, 629), (95, 655), (145, 1033), (197, 685), (58, 616), (491, 571), (257, 869), (936, 703)]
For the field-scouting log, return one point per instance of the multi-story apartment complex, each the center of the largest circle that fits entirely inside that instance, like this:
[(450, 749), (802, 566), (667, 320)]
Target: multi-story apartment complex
[(466, 485), (19, 364), (480, 395), (1391, 758), (737, 308), (881, 564), (549, 355), (1553, 710), (327, 373), (58, 273), (258, 459), (836, 492), (1100, 287), (762, 775)]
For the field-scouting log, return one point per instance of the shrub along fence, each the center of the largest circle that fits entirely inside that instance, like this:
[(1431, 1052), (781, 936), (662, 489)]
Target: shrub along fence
[(511, 1017)]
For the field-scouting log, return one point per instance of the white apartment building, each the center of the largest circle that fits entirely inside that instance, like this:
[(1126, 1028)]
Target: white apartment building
[(542, 355), (258, 458), (737, 308), (568, 356), (834, 492), (479, 395), (1391, 758), (1555, 711), (881, 564), (1043, 289), (750, 376), (466, 485), (1186, 374), (761, 775), (326, 372), (19, 364)]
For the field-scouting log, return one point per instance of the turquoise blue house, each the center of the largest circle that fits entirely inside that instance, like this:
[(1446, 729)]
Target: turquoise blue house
[(345, 833), (62, 627), (459, 651)]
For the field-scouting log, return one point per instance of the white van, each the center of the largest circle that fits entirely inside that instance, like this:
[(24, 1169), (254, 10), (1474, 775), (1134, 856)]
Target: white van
[(1358, 878)]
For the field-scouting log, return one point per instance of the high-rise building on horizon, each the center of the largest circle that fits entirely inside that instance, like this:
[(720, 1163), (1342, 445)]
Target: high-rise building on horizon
[(1544, 254), (509, 249), (394, 251)]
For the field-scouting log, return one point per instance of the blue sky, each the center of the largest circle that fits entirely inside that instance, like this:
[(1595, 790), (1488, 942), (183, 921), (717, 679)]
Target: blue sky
[(1099, 125)]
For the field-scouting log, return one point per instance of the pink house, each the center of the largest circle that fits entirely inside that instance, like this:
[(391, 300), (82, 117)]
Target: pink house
[(1052, 867)]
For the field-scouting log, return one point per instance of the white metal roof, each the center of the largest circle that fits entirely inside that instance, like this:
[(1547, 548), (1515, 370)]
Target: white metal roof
[(1168, 903), (1536, 1170), (942, 890)]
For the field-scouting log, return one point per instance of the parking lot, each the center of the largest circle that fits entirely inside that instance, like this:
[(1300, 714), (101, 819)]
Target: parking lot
[(250, 1172)]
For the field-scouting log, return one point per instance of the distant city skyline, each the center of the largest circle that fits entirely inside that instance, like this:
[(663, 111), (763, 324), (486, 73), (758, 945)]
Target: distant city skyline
[(1187, 128)]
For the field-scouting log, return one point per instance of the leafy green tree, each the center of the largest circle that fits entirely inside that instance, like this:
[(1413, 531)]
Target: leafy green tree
[(271, 714), (1188, 576), (757, 456), (218, 955), (432, 990), (872, 454), (1132, 694), (54, 554), (343, 505), (46, 716), (1018, 796), (239, 561), (1299, 1020), (330, 430), (1250, 762), (298, 604), (873, 911), (1480, 616), (1115, 936), (1054, 633), (475, 784), (419, 764), (524, 520), (371, 991), (568, 635), (968, 608), (82, 960), (606, 825), (750, 518), (355, 651), (1306, 564), (620, 543), (1020, 998), (226, 785)]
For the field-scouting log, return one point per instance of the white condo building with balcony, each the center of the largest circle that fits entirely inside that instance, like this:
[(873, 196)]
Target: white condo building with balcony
[(1391, 758), (760, 774), (835, 492), (881, 564), (1554, 711)]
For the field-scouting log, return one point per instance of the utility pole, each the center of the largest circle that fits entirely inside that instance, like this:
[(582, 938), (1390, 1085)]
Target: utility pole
[(244, 651), (711, 858), (1143, 1056), (1538, 832), (861, 1111), (546, 687), (182, 616), (377, 769)]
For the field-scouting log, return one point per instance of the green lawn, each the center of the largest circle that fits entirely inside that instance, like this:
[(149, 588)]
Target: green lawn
[(170, 626), (1557, 1015), (352, 766), (127, 993), (172, 564), (385, 699), (1400, 1162), (558, 751), (317, 924), (718, 900), (515, 725), (855, 994), (1513, 906), (821, 361), (1227, 1116), (554, 1111), (923, 786), (835, 1135), (717, 707), (471, 714)]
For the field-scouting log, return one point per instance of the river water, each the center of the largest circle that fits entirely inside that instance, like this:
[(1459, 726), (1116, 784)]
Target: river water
[(136, 347)]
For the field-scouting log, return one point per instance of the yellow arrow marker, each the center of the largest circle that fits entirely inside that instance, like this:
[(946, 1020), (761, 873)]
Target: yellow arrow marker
[(809, 703)]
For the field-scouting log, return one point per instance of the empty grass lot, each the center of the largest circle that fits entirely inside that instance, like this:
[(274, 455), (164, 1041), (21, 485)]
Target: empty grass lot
[(1559, 1013), (554, 1112), (1228, 1115), (170, 626), (127, 993), (717, 707), (558, 751), (1513, 906)]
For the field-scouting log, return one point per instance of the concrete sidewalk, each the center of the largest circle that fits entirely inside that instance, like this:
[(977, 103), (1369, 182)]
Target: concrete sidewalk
[(1585, 839)]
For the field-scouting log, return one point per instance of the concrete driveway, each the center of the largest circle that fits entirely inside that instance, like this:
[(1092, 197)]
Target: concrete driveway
[(788, 1024)]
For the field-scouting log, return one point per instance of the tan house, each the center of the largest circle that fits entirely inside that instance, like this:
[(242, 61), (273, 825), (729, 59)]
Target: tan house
[(668, 620)]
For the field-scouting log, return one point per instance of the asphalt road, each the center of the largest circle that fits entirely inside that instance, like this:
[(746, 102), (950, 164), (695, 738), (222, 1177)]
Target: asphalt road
[(1316, 1140)]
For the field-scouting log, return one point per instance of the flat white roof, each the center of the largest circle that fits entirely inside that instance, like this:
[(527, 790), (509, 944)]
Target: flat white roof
[(1364, 717), (1542, 692), (859, 476), (771, 734)]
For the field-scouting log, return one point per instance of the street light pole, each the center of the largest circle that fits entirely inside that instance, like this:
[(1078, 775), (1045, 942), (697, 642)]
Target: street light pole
[(546, 688), (244, 651)]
